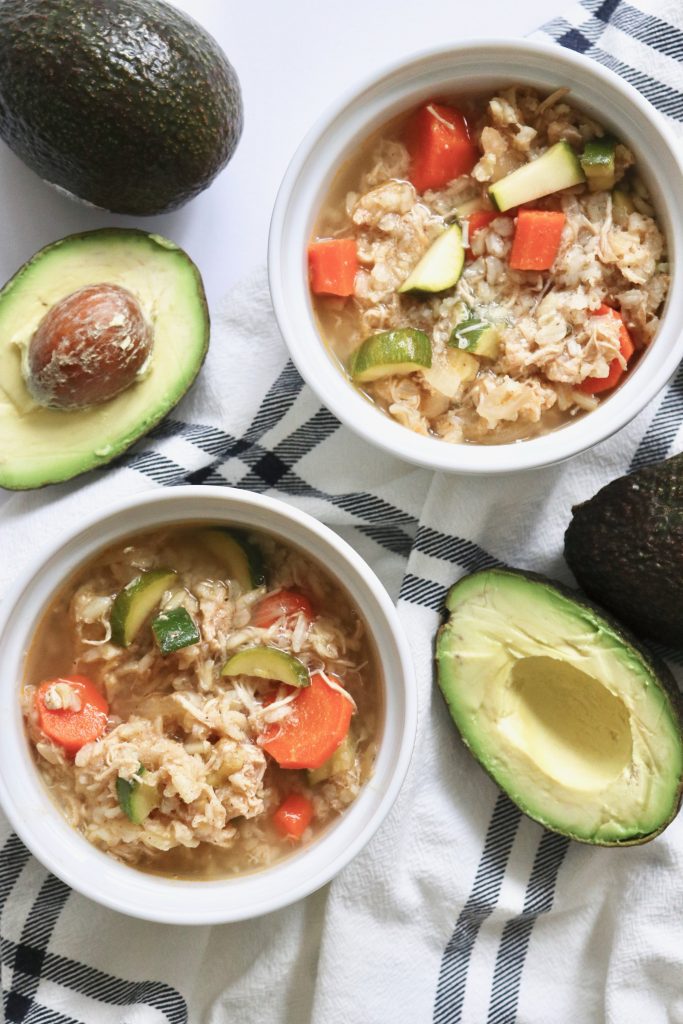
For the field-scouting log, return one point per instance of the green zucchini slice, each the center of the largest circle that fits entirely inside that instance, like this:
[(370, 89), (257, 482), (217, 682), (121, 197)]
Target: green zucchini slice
[(342, 760), (559, 167), (391, 353), (598, 161), (136, 601), (174, 630), (441, 266), (242, 559), (476, 336), (268, 663), (137, 799)]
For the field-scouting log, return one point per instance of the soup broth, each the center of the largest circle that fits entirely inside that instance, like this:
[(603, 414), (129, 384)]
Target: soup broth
[(560, 334), (190, 770)]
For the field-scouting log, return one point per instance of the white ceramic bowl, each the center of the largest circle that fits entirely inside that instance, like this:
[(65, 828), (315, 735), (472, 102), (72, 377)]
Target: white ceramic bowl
[(478, 66), (65, 852)]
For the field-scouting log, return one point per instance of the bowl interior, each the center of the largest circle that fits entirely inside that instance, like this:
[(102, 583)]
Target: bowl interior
[(68, 855), (471, 68)]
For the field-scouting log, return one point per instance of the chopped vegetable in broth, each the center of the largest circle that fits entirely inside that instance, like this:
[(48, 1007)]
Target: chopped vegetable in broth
[(487, 268), (202, 701)]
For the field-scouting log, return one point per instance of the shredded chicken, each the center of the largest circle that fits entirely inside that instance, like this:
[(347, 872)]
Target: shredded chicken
[(180, 728), (551, 336)]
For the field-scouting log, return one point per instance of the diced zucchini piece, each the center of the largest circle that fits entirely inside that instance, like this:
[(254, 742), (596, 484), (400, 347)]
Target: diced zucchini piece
[(441, 266), (268, 663), (242, 560), (559, 167), (136, 798), (598, 163), (136, 601), (342, 760), (622, 205), (477, 205), (174, 630), (448, 378), (476, 336), (392, 353)]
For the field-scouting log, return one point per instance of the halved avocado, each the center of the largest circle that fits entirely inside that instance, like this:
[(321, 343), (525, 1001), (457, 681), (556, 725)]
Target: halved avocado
[(578, 724), (40, 445)]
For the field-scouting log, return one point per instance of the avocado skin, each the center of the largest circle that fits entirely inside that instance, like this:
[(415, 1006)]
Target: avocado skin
[(660, 669), (128, 105), (625, 547)]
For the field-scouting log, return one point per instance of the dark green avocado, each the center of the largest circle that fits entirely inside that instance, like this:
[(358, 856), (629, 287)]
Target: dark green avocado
[(127, 104), (625, 547), (571, 717), (40, 444)]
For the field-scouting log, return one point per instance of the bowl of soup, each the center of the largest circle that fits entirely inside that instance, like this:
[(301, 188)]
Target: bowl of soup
[(474, 257), (209, 706)]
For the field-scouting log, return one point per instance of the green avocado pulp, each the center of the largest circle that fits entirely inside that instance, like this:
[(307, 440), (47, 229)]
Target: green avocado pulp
[(566, 713), (568, 723)]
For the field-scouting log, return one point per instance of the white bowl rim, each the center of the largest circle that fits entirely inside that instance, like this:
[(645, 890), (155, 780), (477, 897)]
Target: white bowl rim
[(188, 902), (309, 353)]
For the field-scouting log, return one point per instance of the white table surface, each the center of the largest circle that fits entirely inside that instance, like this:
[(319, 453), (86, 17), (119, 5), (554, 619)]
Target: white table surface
[(293, 58)]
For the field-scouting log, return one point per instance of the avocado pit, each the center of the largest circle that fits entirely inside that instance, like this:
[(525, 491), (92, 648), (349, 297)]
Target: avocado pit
[(88, 347)]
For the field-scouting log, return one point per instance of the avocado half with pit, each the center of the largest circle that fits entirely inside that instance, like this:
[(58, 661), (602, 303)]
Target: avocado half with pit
[(42, 442), (129, 105), (565, 711)]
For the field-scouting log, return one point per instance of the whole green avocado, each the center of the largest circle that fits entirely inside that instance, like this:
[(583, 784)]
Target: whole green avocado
[(625, 547), (129, 105)]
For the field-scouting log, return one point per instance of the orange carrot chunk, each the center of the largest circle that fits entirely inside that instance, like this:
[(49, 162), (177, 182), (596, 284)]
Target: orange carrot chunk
[(594, 385), (480, 219), (313, 730), (293, 816), (332, 266), (282, 605), (537, 239), (439, 145), (82, 717)]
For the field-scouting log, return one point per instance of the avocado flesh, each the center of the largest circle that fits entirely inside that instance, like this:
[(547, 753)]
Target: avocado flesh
[(40, 445), (128, 104), (572, 720), (625, 547)]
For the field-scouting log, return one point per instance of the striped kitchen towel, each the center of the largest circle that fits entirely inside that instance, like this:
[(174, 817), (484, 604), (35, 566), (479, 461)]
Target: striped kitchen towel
[(460, 909)]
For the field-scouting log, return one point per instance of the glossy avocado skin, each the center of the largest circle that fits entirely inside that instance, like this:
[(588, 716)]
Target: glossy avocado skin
[(127, 104), (625, 547)]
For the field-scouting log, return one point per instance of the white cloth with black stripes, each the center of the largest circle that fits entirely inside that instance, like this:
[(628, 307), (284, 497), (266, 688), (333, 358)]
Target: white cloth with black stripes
[(460, 909)]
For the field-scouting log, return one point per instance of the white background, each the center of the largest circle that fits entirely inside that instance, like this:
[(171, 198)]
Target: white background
[(293, 58)]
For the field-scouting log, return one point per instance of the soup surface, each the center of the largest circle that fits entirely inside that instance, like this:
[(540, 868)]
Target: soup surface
[(533, 265), (162, 741)]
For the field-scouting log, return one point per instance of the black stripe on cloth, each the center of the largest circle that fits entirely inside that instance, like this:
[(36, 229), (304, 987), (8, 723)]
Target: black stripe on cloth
[(654, 445), (44, 1015), (95, 984), (389, 537), (450, 548), (13, 858), (29, 952), (663, 428), (29, 959), (660, 35), (664, 97), (552, 848), (585, 39), (514, 942), (450, 992)]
